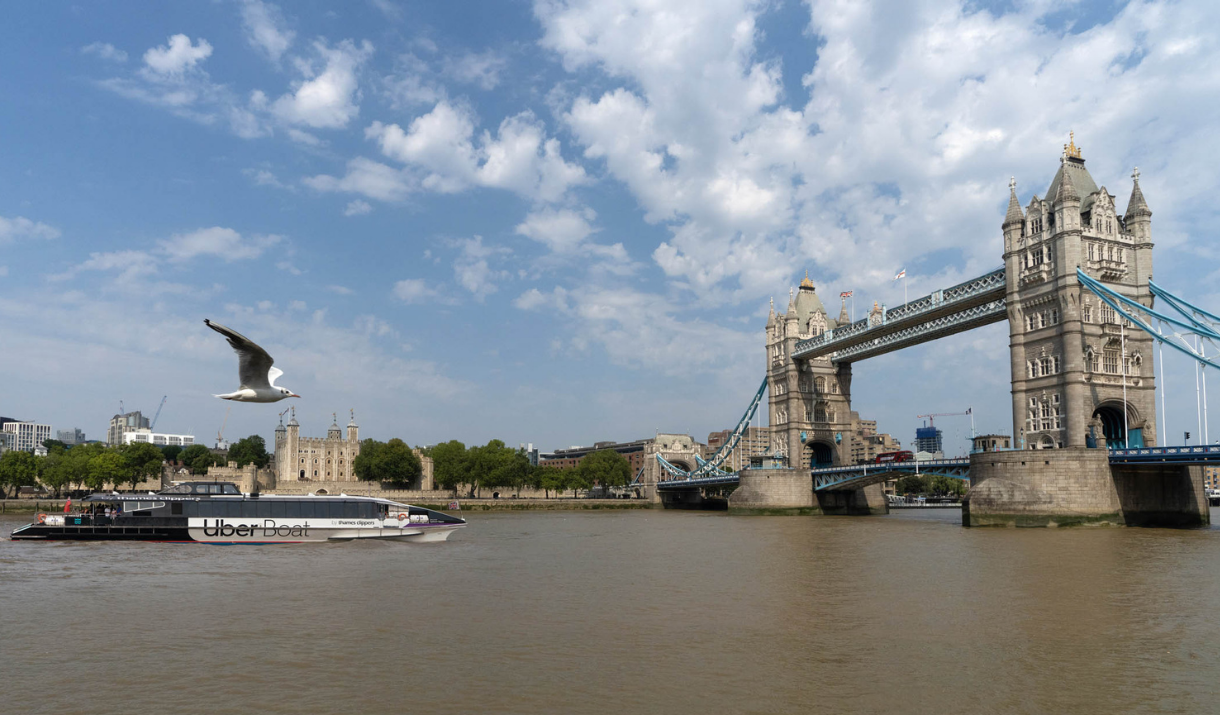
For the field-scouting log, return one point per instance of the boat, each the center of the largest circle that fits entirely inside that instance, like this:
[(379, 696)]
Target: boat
[(219, 513)]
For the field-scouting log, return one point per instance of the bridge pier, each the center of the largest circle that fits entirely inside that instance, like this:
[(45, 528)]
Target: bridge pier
[(1077, 486), (774, 491), (853, 502)]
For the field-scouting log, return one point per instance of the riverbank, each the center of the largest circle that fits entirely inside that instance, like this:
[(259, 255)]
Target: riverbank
[(49, 506)]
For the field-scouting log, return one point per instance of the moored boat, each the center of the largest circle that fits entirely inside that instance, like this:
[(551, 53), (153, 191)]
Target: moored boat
[(219, 513)]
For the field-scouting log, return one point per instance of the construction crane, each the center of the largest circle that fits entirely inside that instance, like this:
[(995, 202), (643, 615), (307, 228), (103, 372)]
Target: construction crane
[(931, 418), (220, 434), (152, 426)]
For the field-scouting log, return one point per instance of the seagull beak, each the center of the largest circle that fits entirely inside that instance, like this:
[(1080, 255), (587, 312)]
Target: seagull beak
[(293, 394)]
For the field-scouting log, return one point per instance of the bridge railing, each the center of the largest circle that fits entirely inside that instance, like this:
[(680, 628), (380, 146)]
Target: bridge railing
[(1187, 453)]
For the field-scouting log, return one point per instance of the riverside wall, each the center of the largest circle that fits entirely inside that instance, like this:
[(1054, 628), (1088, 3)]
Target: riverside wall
[(1077, 486), (774, 491)]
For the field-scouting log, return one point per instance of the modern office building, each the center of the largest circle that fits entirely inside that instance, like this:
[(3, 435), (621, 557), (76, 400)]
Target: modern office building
[(72, 436), (27, 436), (121, 424), (158, 439)]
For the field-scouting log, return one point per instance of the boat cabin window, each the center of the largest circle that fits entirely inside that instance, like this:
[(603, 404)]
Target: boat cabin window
[(281, 509)]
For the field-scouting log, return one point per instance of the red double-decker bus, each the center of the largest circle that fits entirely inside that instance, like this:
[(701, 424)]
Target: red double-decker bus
[(902, 456)]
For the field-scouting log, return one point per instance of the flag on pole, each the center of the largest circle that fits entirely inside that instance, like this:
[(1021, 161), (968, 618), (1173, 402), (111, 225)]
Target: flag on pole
[(455, 506), (845, 294), (901, 274)]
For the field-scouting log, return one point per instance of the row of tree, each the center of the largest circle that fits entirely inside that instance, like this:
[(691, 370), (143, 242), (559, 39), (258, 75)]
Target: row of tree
[(455, 466), (96, 465), (494, 465), (932, 484)]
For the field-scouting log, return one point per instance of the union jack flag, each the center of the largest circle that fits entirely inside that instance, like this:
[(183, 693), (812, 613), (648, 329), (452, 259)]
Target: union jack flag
[(845, 294)]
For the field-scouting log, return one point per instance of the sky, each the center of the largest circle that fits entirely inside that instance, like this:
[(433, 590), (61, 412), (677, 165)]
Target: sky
[(557, 221)]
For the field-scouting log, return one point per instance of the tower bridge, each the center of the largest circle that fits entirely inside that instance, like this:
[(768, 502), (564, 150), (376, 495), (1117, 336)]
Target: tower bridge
[(1076, 290)]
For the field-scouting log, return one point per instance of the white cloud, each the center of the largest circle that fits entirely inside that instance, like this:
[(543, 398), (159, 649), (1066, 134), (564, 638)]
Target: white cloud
[(412, 84), (519, 158), (340, 290), (262, 177), (12, 229), (562, 230), (105, 50), (326, 100), (266, 28), (215, 241), (472, 269), (414, 290), (178, 56), (367, 177), (478, 68), (357, 208)]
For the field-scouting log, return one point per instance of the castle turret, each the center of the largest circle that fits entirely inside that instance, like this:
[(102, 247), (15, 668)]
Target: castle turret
[(1138, 217), (1014, 220), (334, 432), (353, 429)]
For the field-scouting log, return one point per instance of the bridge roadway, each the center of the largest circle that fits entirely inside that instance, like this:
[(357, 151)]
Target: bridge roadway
[(858, 476), (972, 304)]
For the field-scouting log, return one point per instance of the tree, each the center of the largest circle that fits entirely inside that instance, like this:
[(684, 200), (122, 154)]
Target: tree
[(450, 464), (912, 484), (143, 461), (52, 471), (109, 467), (575, 480), (550, 479), (947, 485), (490, 466), (393, 462), (605, 467), (54, 445), (249, 450), (72, 466), (171, 452), (513, 470), (197, 458), (17, 469)]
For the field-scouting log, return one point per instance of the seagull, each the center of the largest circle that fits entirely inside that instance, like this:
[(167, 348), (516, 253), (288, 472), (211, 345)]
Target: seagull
[(254, 367)]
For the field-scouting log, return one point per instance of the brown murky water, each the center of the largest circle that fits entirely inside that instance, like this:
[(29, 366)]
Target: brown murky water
[(652, 612)]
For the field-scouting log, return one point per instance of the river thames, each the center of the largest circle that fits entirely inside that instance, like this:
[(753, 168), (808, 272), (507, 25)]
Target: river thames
[(624, 612)]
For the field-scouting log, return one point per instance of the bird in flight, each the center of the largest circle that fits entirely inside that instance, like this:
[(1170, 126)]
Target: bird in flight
[(254, 367)]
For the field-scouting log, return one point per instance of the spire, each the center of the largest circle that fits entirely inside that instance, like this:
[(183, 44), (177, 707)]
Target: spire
[(843, 317), (806, 283), (1067, 190), (1070, 150), (771, 316), (1136, 206), (353, 422), (293, 422), (1015, 215), (791, 304)]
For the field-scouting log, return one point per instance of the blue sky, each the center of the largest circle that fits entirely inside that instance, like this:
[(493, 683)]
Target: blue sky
[(553, 222)]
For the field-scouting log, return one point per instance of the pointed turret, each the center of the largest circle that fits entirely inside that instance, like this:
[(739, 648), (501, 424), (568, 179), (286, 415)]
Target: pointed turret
[(844, 319), (1015, 215), (1067, 189), (791, 315), (1136, 206), (1138, 217), (771, 316)]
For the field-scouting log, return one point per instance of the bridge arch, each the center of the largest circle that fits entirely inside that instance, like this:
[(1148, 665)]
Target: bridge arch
[(680, 464), (819, 454), (1115, 429)]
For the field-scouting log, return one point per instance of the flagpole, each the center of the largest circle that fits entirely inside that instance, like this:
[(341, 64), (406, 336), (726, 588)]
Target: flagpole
[(904, 286)]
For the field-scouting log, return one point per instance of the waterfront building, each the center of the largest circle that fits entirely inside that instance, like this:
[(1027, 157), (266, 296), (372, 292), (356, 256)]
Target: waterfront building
[(27, 436), (157, 438), (71, 437), (568, 458), (316, 459), (121, 424), (1211, 478), (991, 443), (754, 442)]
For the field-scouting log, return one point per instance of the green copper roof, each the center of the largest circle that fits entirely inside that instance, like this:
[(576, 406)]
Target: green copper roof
[(1081, 180)]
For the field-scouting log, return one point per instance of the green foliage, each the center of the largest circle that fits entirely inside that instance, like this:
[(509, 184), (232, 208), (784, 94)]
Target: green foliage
[(930, 484), (171, 452), (17, 469), (197, 458), (249, 450), (514, 470), (551, 479), (911, 484), (109, 467), (450, 464), (143, 461), (54, 445), (393, 462), (72, 467), (605, 467)]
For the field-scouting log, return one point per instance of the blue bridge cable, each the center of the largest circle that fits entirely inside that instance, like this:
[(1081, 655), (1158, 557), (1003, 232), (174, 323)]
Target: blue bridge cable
[(1114, 299), (1177, 303), (712, 466)]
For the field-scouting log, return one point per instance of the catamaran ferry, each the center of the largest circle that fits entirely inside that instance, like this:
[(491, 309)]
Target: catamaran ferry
[(219, 513)]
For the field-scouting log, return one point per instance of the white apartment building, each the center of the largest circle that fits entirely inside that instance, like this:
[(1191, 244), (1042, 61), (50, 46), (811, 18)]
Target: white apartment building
[(27, 436)]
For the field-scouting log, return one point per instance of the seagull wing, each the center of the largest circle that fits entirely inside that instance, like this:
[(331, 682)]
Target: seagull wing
[(273, 374), (253, 363)]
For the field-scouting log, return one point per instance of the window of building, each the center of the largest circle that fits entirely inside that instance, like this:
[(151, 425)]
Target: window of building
[(1041, 320), (1088, 314), (1107, 315), (1054, 316), (1044, 366), (1109, 362), (1055, 367), (1032, 368)]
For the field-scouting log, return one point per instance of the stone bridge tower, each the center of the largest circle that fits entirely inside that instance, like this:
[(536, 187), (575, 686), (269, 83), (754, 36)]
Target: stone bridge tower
[(1070, 355), (810, 400)]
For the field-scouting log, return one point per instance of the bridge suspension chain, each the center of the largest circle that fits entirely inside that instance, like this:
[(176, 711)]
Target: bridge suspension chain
[(711, 467)]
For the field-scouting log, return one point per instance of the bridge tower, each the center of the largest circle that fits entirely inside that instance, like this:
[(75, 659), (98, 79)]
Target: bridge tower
[(1070, 355), (810, 400)]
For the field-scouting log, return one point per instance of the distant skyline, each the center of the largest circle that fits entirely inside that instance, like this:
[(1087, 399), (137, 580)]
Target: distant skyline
[(555, 222)]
